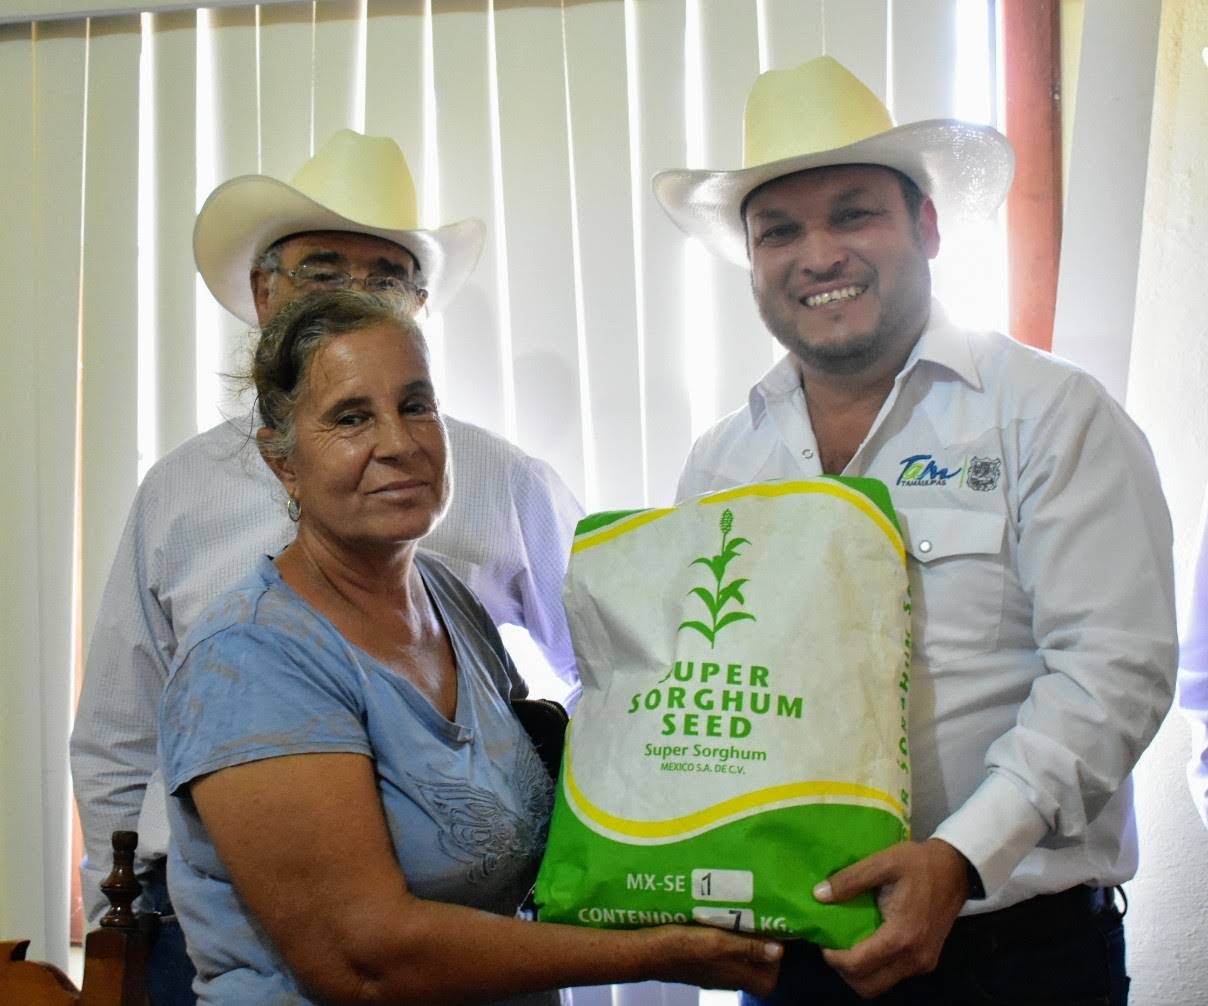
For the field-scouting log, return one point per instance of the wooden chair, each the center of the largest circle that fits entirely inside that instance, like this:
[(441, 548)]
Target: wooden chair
[(115, 955)]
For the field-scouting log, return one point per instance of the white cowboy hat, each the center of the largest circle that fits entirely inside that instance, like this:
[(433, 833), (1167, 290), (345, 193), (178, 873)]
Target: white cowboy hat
[(354, 183), (819, 115)]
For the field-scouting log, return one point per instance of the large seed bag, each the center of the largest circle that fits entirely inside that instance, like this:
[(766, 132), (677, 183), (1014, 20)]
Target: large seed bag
[(742, 731)]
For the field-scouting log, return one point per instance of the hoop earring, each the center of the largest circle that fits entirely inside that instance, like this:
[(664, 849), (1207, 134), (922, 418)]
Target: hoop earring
[(293, 509)]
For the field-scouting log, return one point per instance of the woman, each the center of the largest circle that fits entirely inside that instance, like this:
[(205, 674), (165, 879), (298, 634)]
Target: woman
[(358, 812)]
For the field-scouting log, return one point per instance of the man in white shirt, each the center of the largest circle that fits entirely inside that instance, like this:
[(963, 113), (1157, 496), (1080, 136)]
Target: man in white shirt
[(1193, 674), (1040, 547), (206, 512)]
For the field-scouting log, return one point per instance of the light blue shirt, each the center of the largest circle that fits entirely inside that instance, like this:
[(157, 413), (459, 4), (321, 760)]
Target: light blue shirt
[(261, 675), (200, 520)]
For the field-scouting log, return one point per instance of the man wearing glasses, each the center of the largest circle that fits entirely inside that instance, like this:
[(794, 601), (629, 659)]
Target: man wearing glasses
[(206, 512), (324, 260)]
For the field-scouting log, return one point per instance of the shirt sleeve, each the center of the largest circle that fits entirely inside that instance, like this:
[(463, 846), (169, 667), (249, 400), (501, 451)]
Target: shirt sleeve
[(691, 481), (250, 692), (1095, 559), (547, 513), (711, 464), (1193, 674), (113, 742)]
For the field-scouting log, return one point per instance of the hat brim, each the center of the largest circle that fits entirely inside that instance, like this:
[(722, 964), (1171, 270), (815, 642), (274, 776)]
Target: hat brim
[(244, 216), (966, 169)]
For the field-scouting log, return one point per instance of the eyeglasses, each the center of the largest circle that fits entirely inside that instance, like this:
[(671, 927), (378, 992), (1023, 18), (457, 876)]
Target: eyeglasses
[(321, 277)]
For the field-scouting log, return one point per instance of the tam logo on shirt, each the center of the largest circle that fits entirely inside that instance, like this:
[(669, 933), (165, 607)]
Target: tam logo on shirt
[(981, 474), (922, 470)]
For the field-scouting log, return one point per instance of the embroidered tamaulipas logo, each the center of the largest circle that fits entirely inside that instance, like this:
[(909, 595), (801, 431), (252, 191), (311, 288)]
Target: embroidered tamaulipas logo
[(979, 474), (983, 473)]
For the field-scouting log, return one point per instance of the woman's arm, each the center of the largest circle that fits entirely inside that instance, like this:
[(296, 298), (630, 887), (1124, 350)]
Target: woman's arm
[(308, 849)]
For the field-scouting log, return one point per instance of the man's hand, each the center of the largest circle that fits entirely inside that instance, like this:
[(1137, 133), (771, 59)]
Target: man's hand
[(921, 887)]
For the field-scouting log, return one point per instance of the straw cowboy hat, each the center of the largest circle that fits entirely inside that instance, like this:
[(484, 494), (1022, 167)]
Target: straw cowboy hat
[(819, 115), (354, 183)]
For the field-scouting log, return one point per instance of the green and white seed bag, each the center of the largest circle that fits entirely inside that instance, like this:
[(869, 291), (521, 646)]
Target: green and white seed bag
[(745, 659)]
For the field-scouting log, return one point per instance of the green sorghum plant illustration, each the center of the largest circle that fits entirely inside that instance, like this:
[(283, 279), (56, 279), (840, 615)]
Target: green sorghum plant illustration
[(722, 594)]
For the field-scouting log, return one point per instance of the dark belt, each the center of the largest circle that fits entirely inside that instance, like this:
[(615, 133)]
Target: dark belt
[(1046, 913)]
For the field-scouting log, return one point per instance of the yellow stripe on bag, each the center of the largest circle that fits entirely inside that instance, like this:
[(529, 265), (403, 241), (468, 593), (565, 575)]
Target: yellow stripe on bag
[(826, 486), (619, 528), (674, 827)]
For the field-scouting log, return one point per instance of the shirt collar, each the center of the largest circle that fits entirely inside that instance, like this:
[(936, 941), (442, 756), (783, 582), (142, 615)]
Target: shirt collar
[(944, 344), (941, 343), (782, 381)]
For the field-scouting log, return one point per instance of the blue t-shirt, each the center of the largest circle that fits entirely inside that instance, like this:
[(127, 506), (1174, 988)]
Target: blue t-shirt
[(263, 674)]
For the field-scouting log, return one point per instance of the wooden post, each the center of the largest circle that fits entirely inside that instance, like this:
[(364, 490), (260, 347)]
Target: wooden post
[(1032, 77)]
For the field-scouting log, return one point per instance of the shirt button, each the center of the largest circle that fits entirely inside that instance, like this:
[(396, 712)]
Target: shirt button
[(807, 453), (924, 546)]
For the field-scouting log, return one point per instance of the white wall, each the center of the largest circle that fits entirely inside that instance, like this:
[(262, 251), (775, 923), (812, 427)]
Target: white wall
[(1106, 176), (1168, 921)]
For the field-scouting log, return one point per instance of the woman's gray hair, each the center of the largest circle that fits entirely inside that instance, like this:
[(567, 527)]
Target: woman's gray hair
[(288, 343)]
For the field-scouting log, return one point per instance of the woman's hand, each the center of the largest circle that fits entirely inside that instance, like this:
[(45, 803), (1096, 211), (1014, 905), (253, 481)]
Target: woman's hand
[(307, 846), (718, 959)]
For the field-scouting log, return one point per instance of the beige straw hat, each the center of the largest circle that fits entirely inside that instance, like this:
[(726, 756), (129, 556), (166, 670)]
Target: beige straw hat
[(818, 115), (354, 183)]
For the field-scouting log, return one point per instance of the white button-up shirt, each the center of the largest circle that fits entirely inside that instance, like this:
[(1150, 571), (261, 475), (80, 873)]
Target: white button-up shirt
[(1042, 589), (201, 519), (1193, 675)]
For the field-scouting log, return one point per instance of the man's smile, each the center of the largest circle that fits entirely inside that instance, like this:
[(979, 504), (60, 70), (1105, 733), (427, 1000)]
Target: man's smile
[(842, 293)]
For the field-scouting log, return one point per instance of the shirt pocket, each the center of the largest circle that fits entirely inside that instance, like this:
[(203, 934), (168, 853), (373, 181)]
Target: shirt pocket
[(957, 580)]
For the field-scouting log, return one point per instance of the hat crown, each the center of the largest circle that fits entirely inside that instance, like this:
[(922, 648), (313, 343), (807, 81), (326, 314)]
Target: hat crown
[(817, 106), (363, 178)]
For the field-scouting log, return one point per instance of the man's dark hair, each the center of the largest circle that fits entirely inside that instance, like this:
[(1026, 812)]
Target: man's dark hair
[(912, 195)]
